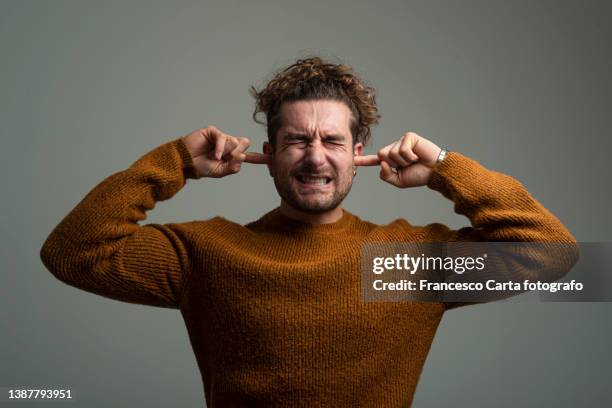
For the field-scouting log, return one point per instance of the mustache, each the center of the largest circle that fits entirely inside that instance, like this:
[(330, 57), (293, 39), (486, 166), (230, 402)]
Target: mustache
[(311, 170)]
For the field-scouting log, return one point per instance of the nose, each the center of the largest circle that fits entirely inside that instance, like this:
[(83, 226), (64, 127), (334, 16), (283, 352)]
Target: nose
[(315, 154)]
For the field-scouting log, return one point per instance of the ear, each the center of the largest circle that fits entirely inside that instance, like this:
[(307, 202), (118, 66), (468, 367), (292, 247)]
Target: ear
[(268, 149), (358, 149)]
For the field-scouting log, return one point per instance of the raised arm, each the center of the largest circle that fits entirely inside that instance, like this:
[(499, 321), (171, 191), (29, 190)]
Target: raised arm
[(500, 209), (99, 246), (498, 206)]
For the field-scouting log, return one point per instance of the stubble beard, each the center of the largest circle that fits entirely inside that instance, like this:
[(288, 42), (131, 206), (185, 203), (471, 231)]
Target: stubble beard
[(291, 197)]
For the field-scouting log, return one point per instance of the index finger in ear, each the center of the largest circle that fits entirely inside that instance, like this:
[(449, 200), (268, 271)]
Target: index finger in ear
[(369, 160), (258, 158)]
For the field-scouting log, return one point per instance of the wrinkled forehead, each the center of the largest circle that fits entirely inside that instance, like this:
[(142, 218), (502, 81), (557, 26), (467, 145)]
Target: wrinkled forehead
[(315, 117)]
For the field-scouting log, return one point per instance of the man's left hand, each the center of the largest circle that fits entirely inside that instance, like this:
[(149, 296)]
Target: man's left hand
[(407, 162)]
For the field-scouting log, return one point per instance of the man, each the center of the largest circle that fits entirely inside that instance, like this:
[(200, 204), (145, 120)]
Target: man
[(274, 308)]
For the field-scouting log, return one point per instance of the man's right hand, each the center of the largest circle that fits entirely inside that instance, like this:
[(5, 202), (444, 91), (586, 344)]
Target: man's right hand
[(216, 154)]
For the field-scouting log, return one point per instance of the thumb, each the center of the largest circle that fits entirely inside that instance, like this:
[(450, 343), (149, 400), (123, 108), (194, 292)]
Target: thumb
[(387, 174)]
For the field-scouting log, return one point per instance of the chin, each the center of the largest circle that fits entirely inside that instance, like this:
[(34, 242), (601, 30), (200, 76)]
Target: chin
[(312, 205), (316, 208), (308, 200), (315, 202)]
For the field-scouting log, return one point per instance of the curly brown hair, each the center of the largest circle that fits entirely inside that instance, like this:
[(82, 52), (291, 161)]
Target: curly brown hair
[(311, 79)]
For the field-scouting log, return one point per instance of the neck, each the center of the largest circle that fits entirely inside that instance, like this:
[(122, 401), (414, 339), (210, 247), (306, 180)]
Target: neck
[(326, 217)]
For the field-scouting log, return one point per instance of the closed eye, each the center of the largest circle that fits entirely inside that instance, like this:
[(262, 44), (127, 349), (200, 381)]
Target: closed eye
[(296, 142), (297, 139)]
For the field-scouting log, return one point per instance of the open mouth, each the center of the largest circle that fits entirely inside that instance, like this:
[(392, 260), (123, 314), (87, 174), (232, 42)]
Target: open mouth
[(313, 180)]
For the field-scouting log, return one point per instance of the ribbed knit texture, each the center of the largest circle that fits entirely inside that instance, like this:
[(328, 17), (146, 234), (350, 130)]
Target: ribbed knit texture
[(274, 309)]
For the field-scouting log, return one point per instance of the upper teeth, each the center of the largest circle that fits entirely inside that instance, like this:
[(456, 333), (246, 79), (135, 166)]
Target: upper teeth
[(314, 180)]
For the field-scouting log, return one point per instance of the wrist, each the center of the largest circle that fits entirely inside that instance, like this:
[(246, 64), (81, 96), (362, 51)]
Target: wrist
[(441, 155), (187, 159), (189, 145)]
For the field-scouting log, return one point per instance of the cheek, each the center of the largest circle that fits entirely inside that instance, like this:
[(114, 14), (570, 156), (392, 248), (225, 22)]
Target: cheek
[(343, 164), (289, 158), (286, 162)]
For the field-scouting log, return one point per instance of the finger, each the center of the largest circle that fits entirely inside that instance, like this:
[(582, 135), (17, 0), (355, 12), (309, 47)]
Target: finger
[(383, 155), (231, 143), (233, 167), (387, 174), (394, 154), (220, 140), (237, 154), (258, 158), (370, 160), (406, 151)]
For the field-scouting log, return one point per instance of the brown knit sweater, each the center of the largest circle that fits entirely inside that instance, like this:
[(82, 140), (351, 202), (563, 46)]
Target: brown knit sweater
[(273, 308)]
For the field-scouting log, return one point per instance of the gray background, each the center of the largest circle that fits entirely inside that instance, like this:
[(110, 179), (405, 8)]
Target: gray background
[(88, 87)]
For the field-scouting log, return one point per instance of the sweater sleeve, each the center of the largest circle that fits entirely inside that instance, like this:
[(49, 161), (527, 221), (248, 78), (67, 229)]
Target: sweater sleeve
[(500, 209), (99, 246), (498, 206)]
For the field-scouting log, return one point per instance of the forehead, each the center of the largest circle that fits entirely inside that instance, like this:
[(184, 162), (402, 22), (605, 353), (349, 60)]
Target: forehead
[(325, 116)]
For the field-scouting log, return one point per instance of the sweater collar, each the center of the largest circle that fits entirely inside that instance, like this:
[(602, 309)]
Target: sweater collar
[(276, 220)]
